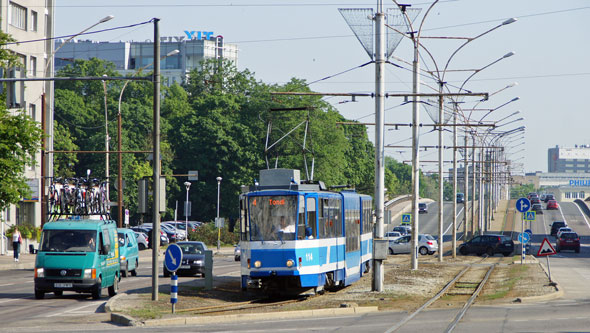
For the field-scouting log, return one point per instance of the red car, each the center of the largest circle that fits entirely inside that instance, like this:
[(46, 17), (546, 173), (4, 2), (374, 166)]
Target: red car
[(568, 241), (552, 204)]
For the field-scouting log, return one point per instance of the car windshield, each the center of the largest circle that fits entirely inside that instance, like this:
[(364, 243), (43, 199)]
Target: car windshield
[(272, 217), (191, 248), (68, 241)]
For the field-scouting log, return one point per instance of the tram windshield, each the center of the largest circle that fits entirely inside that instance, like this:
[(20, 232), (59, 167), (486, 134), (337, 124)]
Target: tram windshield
[(272, 217)]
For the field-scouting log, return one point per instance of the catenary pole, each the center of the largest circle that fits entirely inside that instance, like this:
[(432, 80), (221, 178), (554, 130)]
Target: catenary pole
[(379, 137), (156, 162)]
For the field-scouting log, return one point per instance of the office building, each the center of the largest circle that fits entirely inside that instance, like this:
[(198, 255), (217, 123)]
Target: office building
[(569, 160)]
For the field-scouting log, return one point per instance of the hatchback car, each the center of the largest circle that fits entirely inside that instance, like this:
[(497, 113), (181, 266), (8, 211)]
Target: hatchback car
[(564, 229), (426, 245), (537, 208), (193, 259), (568, 241), (142, 240), (422, 209), (552, 204), (392, 235), (489, 244), (556, 225)]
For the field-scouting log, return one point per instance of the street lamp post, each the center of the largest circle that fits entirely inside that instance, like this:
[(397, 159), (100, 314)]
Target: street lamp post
[(186, 206), (217, 219)]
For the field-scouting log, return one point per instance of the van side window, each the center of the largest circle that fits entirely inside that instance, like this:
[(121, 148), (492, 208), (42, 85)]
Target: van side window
[(105, 237)]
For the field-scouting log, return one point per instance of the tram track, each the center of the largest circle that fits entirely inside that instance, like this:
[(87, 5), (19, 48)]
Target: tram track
[(470, 281)]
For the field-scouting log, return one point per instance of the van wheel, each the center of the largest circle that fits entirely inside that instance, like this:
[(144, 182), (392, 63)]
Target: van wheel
[(97, 292), (39, 294), (58, 292), (114, 288)]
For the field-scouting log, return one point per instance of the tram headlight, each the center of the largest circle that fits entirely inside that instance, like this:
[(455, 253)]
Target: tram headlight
[(257, 264), (290, 263)]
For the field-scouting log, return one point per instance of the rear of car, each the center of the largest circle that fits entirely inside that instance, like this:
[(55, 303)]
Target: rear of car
[(427, 244), (555, 227), (568, 241), (549, 197), (422, 209), (552, 204), (142, 240)]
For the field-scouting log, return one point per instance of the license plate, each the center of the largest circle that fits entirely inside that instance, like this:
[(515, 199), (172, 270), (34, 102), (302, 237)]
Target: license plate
[(185, 266), (62, 285)]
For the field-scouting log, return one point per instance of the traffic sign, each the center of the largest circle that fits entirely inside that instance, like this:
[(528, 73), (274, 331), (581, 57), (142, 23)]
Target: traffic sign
[(523, 204), (524, 237), (406, 218), (546, 249), (173, 257), (530, 216)]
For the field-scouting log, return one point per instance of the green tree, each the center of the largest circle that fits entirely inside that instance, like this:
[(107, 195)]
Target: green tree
[(20, 140)]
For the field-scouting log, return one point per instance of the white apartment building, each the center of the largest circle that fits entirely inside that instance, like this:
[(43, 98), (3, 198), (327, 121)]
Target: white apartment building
[(27, 20)]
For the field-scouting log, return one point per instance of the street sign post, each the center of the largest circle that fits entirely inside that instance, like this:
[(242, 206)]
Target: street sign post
[(530, 216), (546, 250), (172, 261), (522, 205)]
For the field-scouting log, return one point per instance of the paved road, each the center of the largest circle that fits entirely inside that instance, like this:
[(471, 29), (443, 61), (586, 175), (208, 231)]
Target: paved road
[(19, 308)]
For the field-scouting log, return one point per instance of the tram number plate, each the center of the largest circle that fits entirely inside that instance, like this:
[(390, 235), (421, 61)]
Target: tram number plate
[(185, 266), (62, 285)]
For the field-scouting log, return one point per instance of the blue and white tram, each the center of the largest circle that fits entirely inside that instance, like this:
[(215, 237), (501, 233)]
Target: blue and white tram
[(298, 237)]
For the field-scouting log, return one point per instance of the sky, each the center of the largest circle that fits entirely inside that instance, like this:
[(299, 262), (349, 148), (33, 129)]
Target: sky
[(310, 40)]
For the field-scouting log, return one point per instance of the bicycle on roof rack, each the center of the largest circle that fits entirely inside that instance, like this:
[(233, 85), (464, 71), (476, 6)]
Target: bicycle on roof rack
[(77, 196)]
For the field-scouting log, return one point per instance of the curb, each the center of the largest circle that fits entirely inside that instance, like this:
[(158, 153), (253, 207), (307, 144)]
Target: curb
[(257, 316)]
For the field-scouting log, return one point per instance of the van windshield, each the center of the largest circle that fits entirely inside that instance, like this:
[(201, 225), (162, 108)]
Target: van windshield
[(68, 241)]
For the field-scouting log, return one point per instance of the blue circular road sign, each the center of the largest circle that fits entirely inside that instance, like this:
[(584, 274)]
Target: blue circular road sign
[(173, 257), (523, 204), (524, 237)]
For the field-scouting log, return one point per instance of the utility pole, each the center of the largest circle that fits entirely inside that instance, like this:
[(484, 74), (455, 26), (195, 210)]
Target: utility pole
[(156, 162)]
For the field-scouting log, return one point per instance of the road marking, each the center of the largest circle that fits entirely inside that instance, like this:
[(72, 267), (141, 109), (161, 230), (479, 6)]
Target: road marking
[(76, 310), (13, 299), (8, 284)]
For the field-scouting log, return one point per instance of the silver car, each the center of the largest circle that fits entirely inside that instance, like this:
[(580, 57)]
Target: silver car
[(426, 245)]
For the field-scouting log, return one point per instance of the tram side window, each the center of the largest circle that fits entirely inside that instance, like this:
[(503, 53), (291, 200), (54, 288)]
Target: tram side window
[(336, 217), (311, 217), (352, 230), (323, 220)]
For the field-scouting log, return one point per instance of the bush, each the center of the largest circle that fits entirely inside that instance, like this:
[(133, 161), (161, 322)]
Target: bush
[(207, 233)]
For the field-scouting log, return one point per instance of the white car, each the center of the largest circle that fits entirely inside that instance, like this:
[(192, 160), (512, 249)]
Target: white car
[(563, 229), (392, 235), (426, 245), (142, 240)]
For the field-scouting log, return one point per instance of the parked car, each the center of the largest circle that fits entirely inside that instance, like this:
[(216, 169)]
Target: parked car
[(422, 208), (489, 244), (549, 197), (173, 234), (147, 229), (143, 241), (537, 208), (193, 259), (426, 245), (403, 230), (192, 225), (556, 225), (237, 252), (552, 204), (568, 241), (128, 251), (563, 229)]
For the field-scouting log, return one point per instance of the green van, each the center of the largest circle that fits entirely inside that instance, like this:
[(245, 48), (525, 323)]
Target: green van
[(78, 255), (128, 251)]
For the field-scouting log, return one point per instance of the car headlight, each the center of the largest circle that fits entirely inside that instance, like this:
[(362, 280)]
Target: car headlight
[(39, 272), (257, 264), (290, 263)]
